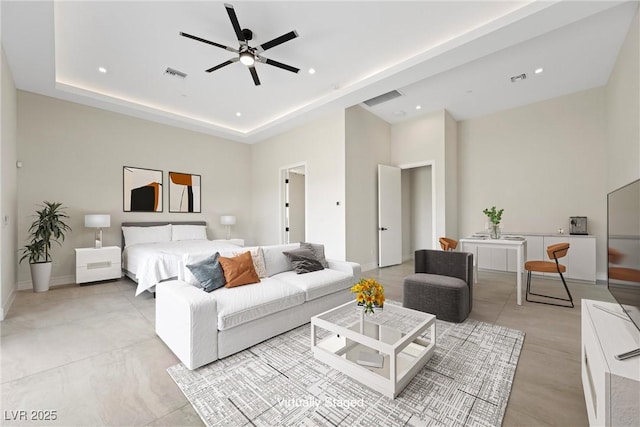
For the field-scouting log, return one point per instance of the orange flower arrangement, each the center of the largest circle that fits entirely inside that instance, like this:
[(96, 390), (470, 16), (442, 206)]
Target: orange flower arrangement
[(368, 293)]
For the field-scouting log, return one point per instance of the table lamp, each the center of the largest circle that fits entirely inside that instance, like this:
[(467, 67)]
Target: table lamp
[(228, 220), (98, 222)]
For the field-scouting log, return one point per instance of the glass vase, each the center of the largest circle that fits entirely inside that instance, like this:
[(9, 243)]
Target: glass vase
[(494, 231)]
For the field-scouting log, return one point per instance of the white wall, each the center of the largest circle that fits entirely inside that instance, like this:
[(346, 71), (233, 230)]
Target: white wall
[(74, 154), (9, 190), (425, 140), (542, 163), (319, 144), (623, 112), (451, 174), (367, 145), (421, 230)]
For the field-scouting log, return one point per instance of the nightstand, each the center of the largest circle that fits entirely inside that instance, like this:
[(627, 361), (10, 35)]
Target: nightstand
[(94, 264), (239, 242)]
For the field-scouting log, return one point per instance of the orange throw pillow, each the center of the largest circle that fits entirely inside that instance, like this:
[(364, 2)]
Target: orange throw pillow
[(239, 270)]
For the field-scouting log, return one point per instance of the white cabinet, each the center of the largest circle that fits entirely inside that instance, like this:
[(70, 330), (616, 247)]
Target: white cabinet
[(611, 387), (94, 264)]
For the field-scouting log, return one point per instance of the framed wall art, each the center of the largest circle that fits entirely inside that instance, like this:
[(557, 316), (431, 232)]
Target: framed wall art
[(142, 189), (184, 192)]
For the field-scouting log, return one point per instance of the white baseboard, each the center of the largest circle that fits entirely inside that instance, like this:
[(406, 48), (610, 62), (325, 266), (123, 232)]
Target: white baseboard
[(7, 305), (55, 281)]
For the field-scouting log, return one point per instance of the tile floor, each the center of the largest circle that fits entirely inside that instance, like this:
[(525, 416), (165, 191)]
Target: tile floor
[(90, 354)]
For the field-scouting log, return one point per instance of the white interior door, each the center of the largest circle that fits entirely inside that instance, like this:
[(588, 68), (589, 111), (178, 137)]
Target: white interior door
[(389, 216)]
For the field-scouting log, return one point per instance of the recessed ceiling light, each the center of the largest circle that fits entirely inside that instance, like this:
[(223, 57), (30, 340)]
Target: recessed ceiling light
[(418, 107), (238, 114), (539, 70), (399, 113), (102, 70), (312, 70)]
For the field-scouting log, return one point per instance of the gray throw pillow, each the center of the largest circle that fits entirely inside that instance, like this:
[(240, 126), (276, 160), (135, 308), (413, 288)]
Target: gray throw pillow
[(318, 251), (303, 260), (209, 273)]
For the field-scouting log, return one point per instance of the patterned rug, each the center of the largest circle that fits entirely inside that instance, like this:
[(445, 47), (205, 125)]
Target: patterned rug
[(467, 382)]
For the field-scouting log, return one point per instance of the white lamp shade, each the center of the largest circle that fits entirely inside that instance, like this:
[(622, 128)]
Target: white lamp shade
[(97, 221), (227, 220)]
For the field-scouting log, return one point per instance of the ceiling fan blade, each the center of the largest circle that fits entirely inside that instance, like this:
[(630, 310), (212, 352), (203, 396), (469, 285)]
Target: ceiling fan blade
[(224, 64), (234, 21), (279, 40), (254, 74), (281, 65), (221, 46)]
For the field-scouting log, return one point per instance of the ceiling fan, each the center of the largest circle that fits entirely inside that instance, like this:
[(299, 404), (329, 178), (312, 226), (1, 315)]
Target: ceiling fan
[(248, 55)]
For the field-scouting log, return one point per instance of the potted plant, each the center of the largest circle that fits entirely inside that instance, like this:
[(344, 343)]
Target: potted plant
[(48, 227), (495, 216)]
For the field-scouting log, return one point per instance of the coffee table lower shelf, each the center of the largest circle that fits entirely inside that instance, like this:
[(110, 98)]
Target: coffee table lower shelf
[(404, 352)]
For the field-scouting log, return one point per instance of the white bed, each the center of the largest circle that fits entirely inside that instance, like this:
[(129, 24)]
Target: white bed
[(149, 263)]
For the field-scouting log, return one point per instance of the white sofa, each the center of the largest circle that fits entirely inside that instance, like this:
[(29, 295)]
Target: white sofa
[(201, 327)]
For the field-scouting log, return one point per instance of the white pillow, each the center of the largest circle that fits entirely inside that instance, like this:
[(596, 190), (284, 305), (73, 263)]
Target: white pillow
[(189, 232), (137, 235)]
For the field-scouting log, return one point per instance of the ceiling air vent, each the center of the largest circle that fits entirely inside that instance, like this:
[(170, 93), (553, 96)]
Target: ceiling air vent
[(175, 73), (519, 77), (382, 98)]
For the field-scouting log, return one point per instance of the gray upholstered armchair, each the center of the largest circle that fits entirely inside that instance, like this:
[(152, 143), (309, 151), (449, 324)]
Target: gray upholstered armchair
[(442, 284)]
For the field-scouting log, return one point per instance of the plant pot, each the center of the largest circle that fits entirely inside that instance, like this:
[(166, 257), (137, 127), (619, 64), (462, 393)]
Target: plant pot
[(40, 276), (494, 231)]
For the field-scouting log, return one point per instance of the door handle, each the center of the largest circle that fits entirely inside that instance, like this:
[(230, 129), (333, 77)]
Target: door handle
[(382, 229)]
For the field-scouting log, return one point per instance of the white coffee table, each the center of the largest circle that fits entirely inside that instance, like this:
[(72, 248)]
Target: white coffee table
[(342, 336)]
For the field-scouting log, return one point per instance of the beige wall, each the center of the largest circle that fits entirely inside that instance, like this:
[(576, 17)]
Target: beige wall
[(429, 139), (368, 144), (623, 112), (542, 163), (8, 184), (320, 145), (74, 154)]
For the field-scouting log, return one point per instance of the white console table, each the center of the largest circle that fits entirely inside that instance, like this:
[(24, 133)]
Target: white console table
[(611, 386), (474, 245), (580, 260)]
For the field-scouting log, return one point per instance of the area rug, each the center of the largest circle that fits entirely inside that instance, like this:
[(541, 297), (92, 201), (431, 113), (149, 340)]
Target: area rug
[(467, 382)]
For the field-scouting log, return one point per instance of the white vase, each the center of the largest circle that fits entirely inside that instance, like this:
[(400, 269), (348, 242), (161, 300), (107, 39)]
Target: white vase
[(40, 276)]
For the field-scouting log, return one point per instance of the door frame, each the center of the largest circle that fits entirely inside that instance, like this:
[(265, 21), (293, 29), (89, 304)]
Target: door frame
[(431, 163), (282, 174)]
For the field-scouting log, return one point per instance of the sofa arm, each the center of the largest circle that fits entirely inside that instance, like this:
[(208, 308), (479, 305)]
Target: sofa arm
[(347, 267), (187, 321)]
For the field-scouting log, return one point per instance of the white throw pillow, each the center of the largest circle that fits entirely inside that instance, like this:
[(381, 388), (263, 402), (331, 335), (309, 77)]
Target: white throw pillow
[(188, 232), (138, 235)]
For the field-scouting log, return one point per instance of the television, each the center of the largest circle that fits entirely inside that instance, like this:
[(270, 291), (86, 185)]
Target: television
[(623, 248)]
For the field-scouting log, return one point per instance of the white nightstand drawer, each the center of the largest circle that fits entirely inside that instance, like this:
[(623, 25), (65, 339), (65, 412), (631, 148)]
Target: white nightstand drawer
[(98, 271), (86, 256), (93, 264)]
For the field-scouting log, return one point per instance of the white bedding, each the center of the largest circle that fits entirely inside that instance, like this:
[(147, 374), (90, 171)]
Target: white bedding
[(154, 262)]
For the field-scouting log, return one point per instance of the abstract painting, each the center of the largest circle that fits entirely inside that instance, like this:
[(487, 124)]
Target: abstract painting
[(142, 189), (184, 192)]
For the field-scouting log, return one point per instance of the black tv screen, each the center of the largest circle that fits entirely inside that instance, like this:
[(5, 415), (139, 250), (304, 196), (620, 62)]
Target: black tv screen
[(623, 241)]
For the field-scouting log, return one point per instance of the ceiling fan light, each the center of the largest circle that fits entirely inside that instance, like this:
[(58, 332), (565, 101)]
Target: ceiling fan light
[(247, 58)]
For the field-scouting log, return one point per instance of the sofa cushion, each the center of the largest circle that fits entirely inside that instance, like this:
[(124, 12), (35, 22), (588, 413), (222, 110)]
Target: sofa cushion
[(318, 283), (243, 304), (277, 262), (318, 250), (239, 270), (258, 260), (303, 260), (209, 273)]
